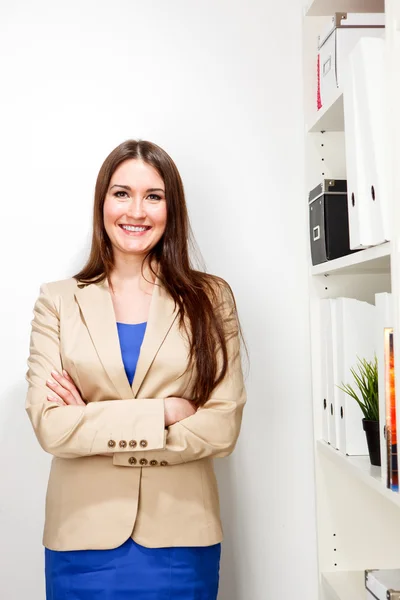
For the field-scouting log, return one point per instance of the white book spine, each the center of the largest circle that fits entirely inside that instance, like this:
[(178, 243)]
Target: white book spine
[(325, 319), (331, 367)]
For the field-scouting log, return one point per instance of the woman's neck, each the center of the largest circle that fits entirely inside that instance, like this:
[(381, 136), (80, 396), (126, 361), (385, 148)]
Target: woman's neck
[(129, 276)]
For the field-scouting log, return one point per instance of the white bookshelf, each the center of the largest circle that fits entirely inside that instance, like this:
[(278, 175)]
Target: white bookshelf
[(358, 517)]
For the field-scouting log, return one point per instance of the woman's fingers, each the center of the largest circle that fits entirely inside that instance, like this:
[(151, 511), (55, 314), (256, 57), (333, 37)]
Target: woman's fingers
[(65, 388), (62, 393), (56, 400)]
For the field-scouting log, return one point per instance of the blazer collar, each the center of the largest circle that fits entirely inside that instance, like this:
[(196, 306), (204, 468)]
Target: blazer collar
[(98, 312)]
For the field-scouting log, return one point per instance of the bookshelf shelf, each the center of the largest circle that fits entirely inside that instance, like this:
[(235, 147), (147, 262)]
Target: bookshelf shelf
[(330, 117), (360, 468), (371, 260), (344, 585), (320, 8)]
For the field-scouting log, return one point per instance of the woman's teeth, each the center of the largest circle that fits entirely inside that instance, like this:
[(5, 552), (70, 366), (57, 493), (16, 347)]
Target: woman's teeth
[(129, 228)]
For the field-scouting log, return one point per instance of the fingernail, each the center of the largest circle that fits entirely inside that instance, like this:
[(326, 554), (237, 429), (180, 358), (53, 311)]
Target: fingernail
[(49, 381), (54, 373), (65, 373)]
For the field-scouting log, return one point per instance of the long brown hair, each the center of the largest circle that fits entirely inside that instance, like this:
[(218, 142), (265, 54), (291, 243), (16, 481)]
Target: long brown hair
[(196, 293)]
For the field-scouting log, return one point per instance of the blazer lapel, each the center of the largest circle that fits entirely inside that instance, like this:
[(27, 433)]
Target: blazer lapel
[(98, 312), (162, 315)]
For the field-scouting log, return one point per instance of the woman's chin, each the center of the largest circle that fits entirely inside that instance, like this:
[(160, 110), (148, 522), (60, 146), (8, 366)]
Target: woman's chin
[(132, 248)]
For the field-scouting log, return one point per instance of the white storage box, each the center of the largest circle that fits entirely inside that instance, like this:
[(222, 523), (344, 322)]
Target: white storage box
[(383, 584), (334, 45)]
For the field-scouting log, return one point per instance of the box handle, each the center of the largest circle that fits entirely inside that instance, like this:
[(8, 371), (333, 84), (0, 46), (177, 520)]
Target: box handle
[(316, 233), (327, 66)]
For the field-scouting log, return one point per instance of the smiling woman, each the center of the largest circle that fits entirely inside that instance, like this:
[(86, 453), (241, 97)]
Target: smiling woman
[(156, 383), (150, 192)]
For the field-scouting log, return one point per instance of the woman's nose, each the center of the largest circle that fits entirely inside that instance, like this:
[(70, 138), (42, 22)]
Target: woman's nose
[(136, 209)]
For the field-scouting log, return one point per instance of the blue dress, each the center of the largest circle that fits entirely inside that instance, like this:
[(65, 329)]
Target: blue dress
[(132, 571)]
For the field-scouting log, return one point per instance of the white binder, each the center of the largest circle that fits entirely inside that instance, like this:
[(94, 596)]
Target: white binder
[(368, 62), (365, 147), (384, 318), (328, 343), (325, 323), (356, 337)]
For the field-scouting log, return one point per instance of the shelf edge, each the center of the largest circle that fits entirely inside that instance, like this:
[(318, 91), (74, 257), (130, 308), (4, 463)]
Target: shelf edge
[(319, 8), (344, 585), (352, 260), (323, 114), (346, 462)]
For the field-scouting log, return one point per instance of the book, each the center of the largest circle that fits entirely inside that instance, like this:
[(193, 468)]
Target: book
[(384, 318), (390, 400)]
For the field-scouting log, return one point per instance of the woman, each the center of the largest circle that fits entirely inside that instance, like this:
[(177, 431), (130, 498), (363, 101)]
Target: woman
[(135, 385)]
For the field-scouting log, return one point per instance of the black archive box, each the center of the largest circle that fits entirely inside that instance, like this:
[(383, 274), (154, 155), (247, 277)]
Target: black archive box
[(329, 221)]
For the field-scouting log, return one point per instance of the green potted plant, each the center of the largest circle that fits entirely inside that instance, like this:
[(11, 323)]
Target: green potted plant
[(366, 396)]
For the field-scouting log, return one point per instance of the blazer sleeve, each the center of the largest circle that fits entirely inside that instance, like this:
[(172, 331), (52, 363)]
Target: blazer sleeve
[(98, 427), (214, 429)]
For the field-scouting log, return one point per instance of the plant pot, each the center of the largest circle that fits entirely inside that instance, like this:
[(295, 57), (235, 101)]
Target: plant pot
[(371, 429)]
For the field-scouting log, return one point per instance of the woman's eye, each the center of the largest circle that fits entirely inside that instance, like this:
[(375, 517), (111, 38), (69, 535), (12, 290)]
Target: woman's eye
[(154, 197), (117, 194)]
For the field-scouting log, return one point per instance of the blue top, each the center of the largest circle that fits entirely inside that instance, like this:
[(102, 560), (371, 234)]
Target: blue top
[(130, 338)]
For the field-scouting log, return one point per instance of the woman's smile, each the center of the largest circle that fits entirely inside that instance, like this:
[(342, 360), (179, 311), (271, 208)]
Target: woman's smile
[(135, 230)]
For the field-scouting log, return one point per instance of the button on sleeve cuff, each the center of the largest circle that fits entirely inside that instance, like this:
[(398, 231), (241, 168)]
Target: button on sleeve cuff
[(125, 425)]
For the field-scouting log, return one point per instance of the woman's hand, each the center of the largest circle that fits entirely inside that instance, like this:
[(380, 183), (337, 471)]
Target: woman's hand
[(64, 389), (176, 409)]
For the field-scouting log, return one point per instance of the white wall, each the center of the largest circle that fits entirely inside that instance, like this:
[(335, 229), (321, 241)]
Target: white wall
[(217, 83)]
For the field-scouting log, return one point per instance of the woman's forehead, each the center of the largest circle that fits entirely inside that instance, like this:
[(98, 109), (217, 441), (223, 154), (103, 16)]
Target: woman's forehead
[(136, 172)]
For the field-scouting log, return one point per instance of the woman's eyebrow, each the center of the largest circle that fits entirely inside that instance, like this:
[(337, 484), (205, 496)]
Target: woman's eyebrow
[(126, 187)]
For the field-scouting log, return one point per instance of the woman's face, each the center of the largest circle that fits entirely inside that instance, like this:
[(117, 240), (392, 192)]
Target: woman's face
[(135, 198)]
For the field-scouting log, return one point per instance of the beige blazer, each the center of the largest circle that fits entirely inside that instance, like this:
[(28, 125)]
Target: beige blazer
[(116, 470)]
